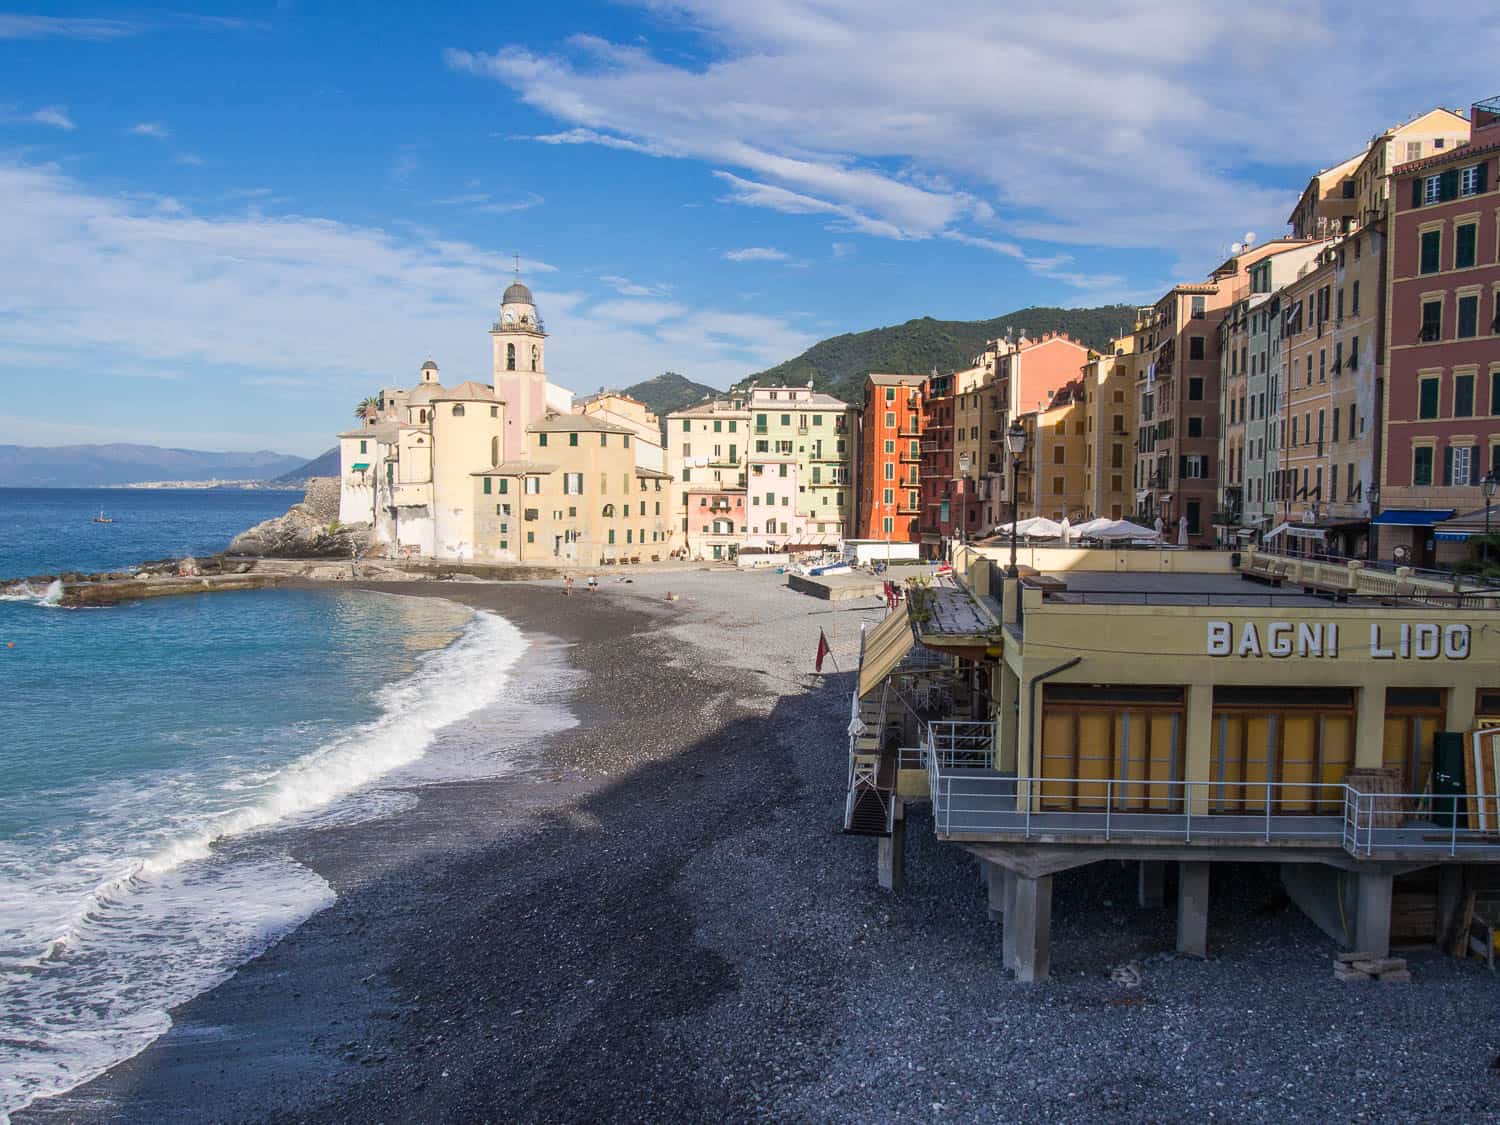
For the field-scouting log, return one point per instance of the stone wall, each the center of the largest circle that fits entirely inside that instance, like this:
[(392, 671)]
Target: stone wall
[(322, 498)]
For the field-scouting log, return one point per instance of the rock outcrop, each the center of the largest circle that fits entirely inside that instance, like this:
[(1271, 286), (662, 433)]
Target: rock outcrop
[(307, 531)]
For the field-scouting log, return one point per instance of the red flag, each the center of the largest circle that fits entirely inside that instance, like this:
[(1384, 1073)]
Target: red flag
[(824, 649)]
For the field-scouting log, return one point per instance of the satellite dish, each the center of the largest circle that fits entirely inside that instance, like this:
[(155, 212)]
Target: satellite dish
[(1235, 248), (1249, 237)]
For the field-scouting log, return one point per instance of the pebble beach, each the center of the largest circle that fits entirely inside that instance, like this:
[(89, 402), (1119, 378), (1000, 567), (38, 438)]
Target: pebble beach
[(658, 918)]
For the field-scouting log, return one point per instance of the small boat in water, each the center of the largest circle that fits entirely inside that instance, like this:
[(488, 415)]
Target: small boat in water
[(102, 518)]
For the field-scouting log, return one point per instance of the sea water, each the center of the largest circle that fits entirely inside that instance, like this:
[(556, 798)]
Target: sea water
[(148, 751), (52, 530)]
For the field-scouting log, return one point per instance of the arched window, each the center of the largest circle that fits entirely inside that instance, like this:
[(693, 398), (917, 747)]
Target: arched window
[(494, 451), (510, 357), (536, 357), (609, 511), (458, 410), (422, 417)]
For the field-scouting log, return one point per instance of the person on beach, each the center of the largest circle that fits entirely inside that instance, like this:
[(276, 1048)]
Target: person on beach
[(568, 585), (593, 584)]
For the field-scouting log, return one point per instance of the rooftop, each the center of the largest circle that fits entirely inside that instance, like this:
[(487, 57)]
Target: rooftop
[(575, 423), (518, 469)]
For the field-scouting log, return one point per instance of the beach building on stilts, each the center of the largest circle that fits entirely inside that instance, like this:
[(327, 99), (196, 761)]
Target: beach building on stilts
[(1187, 709)]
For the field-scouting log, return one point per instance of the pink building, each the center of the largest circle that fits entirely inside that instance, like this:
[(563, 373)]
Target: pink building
[(1442, 431), (773, 487), (715, 523)]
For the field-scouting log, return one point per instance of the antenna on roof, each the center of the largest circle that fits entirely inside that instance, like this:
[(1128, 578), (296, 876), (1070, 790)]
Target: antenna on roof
[(518, 264)]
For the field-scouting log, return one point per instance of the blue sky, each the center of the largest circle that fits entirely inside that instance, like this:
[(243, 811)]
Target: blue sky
[(223, 227)]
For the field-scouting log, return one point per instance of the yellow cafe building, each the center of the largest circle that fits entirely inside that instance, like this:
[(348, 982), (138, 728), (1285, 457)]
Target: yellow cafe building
[(1189, 708)]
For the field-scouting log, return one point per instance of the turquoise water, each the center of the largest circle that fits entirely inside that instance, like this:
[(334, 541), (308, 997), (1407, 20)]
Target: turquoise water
[(50, 530), (148, 747)]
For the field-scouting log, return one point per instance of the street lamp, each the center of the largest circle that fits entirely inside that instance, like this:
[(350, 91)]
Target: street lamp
[(1015, 443), (963, 498), (1487, 488), (1370, 538)]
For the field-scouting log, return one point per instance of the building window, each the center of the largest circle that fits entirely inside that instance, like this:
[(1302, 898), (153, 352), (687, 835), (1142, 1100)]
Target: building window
[(1413, 150), (1463, 396), (1460, 465), (1432, 248), (888, 525), (1432, 189), (1200, 308), (1495, 394), (1471, 180), (533, 486), (1195, 347), (573, 484), (572, 439), (1195, 426), (364, 446), (494, 452), (1354, 298), (1427, 397), (531, 537), (1465, 245), (888, 496), (504, 486), (1195, 389), (1468, 316), (488, 486), (510, 357), (1432, 321), (541, 439)]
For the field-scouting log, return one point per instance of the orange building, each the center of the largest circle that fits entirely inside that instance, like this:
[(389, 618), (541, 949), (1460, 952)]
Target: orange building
[(889, 453), (1027, 378)]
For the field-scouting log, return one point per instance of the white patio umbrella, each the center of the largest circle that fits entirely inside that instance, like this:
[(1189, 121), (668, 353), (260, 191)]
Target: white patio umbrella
[(1182, 531), (1124, 529), (1065, 531), (1086, 528)]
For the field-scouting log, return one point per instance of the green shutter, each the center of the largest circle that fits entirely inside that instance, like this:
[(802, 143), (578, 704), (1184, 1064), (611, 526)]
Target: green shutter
[(1484, 176), (1416, 192), (1448, 185)]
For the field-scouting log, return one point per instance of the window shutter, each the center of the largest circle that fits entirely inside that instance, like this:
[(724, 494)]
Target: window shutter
[(1474, 465), (1484, 176), (1416, 191), (1448, 185), (1448, 465), (1182, 467)]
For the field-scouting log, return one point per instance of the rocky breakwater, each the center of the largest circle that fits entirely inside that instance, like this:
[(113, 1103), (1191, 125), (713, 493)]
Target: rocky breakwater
[(309, 530)]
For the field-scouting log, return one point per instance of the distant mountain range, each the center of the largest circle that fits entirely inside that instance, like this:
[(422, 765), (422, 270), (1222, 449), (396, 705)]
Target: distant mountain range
[(839, 364), (94, 466), (325, 464)]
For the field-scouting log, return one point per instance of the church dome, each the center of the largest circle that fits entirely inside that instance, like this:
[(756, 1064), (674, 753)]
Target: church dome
[(429, 366), (517, 294)]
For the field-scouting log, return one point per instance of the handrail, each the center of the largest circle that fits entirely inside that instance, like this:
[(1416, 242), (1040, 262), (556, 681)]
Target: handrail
[(1369, 825)]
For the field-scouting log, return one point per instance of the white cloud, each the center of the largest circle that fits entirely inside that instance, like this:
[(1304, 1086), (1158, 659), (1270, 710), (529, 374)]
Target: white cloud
[(137, 285), (627, 288), (55, 116), (154, 129), (755, 254), (17, 26), (843, 249), (188, 158), (1147, 123)]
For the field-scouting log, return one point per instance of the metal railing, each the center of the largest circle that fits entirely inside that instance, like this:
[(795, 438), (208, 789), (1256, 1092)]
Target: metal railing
[(1366, 825)]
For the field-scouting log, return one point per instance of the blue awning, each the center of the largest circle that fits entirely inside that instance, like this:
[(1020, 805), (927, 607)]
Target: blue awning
[(1413, 517)]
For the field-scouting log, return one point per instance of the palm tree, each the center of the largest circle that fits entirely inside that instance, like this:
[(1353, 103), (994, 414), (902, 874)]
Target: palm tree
[(367, 407)]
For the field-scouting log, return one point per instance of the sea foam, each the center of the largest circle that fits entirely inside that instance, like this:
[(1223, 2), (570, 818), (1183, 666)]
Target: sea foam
[(174, 921)]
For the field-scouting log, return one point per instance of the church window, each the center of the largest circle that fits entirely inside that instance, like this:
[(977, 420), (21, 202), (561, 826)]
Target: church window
[(494, 412), (458, 410), (494, 451), (510, 357), (422, 417), (536, 358), (362, 447), (609, 511)]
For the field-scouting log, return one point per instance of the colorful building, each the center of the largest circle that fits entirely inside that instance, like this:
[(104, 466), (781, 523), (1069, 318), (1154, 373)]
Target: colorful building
[(1159, 709), (890, 433), (937, 465), (1441, 425), (1108, 383), (707, 455), (813, 435)]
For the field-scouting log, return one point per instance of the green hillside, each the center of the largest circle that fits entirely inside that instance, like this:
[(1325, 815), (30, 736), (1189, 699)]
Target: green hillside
[(839, 364), (670, 391)]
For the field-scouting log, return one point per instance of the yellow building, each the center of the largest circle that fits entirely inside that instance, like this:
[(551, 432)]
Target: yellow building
[(1155, 706), (583, 501), (1054, 482), (1109, 406)]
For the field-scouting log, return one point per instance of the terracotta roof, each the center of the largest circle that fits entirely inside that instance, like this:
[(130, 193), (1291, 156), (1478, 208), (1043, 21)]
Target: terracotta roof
[(424, 394), (575, 423), (718, 407), (896, 380), (518, 469), (467, 391), (651, 474)]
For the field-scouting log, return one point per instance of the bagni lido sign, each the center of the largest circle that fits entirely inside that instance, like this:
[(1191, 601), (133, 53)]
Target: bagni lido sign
[(1387, 642)]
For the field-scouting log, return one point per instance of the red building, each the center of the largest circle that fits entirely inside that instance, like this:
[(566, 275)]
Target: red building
[(889, 501), (936, 468), (1442, 403)]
